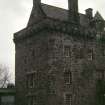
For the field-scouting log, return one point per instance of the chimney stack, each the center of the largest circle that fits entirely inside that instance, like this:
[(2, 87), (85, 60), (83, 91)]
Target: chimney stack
[(36, 2), (73, 5), (89, 13), (73, 11), (37, 13)]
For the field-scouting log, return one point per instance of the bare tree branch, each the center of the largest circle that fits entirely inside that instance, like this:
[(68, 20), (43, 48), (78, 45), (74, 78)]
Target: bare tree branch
[(4, 76)]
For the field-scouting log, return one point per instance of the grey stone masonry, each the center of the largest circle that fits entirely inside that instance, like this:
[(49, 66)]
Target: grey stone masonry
[(60, 60)]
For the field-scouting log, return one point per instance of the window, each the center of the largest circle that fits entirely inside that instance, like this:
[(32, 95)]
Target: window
[(68, 99), (79, 53), (90, 54), (67, 51), (51, 85), (31, 80), (67, 77), (32, 100)]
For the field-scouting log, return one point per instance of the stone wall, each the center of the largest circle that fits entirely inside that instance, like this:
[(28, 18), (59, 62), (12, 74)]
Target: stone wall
[(44, 54)]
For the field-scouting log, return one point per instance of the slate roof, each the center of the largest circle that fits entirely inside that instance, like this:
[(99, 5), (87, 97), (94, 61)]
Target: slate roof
[(48, 16), (61, 14), (55, 13)]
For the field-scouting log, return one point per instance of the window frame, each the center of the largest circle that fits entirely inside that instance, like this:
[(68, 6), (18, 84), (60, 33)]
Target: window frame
[(51, 84), (90, 54), (69, 74), (31, 100), (67, 51), (31, 79), (68, 100)]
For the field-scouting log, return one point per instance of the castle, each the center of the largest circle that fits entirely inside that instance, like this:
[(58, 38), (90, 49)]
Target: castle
[(60, 57)]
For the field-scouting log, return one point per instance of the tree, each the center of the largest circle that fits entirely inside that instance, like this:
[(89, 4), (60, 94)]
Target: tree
[(4, 76), (100, 92)]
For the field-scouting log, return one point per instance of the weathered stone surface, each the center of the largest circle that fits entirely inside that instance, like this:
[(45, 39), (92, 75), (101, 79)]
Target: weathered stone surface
[(40, 50)]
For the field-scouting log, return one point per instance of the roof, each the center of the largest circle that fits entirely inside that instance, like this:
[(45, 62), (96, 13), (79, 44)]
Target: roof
[(98, 16), (61, 14), (53, 12)]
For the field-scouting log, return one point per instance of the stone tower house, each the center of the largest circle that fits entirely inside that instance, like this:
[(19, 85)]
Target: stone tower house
[(60, 57)]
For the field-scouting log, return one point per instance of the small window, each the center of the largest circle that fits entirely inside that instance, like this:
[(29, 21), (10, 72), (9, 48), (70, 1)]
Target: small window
[(51, 85), (79, 53), (67, 77), (68, 99), (90, 54), (67, 51), (31, 80), (32, 100)]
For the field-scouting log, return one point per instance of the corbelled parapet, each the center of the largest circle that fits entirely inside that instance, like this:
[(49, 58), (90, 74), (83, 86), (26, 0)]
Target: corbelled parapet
[(57, 26)]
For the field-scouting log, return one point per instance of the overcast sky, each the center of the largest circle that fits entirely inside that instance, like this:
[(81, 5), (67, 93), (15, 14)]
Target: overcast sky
[(14, 15)]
